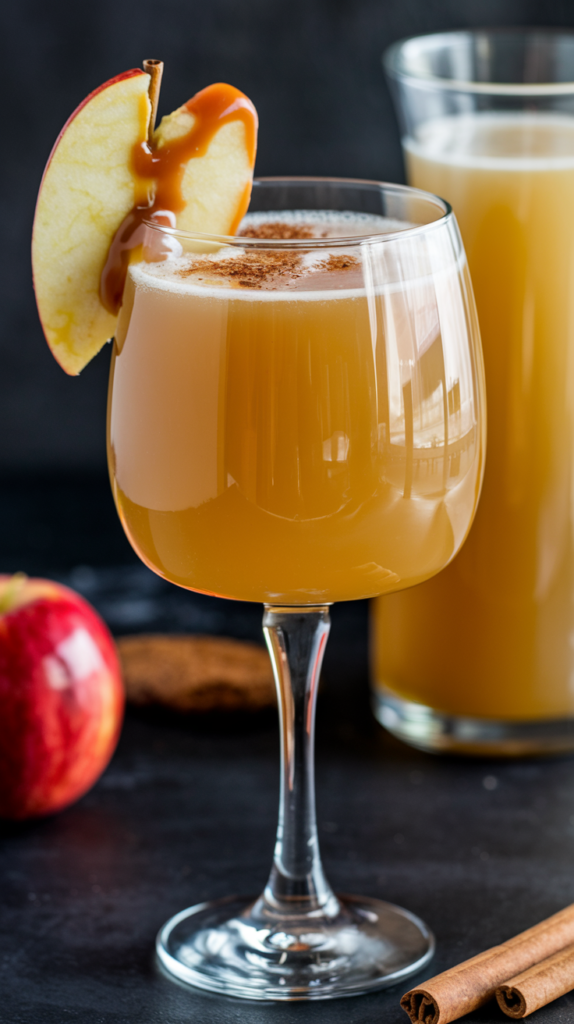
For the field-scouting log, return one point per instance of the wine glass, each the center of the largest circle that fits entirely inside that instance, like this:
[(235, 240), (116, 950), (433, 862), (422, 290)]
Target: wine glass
[(299, 420)]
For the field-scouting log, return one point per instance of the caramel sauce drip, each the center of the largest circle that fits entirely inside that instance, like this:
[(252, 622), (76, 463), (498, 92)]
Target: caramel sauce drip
[(161, 169)]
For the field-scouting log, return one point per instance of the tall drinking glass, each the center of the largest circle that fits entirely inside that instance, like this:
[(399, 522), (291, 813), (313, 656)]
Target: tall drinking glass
[(482, 658), (296, 417)]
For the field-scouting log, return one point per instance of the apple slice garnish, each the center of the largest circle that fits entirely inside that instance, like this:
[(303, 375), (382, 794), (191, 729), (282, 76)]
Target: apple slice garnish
[(88, 188), (103, 180), (200, 162), (214, 137)]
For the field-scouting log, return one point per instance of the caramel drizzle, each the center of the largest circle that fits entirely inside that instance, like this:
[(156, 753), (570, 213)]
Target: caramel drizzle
[(162, 170)]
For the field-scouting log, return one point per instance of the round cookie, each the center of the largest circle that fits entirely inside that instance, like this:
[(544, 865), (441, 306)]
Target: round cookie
[(196, 673)]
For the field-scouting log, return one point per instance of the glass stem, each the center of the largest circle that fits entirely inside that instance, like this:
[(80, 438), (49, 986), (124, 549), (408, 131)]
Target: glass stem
[(296, 638)]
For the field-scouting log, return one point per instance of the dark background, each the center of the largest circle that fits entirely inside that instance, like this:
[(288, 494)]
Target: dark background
[(312, 68), (187, 810)]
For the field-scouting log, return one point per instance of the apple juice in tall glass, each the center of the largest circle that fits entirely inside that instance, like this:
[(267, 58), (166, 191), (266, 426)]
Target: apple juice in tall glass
[(491, 639)]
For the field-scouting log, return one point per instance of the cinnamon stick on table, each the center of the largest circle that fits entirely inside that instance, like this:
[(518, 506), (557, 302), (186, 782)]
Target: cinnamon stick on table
[(539, 985), (467, 986)]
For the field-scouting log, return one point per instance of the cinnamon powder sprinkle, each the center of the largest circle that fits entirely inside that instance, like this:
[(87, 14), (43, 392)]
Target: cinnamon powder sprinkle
[(278, 229), (250, 270), (264, 268), (338, 263)]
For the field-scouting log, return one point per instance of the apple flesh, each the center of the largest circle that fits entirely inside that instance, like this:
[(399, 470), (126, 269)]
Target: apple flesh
[(87, 190), (92, 184), (61, 697), (216, 185)]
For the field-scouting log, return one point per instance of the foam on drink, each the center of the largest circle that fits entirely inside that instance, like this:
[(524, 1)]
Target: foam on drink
[(496, 142), (281, 271)]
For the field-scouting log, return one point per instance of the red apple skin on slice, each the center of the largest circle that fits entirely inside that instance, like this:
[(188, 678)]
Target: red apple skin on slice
[(89, 187), (61, 698)]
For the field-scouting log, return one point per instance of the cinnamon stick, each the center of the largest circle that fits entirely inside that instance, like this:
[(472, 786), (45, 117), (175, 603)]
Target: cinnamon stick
[(538, 986), (469, 985), (153, 68)]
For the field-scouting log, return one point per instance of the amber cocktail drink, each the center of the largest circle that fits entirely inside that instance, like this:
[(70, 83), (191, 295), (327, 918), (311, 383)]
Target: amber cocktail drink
[(257, 428), (296, 417)]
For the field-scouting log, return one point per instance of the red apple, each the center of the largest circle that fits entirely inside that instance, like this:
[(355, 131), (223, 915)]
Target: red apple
[(61, 697)]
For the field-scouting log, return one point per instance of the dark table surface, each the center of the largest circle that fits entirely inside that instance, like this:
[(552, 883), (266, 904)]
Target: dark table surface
[(186, 811)]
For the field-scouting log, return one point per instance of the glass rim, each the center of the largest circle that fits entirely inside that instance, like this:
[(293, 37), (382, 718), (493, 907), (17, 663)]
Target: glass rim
[(343, 241), (395, 69)]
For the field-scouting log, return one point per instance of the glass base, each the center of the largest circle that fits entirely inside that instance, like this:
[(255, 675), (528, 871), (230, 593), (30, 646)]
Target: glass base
[(438, 732), (237, 948)]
